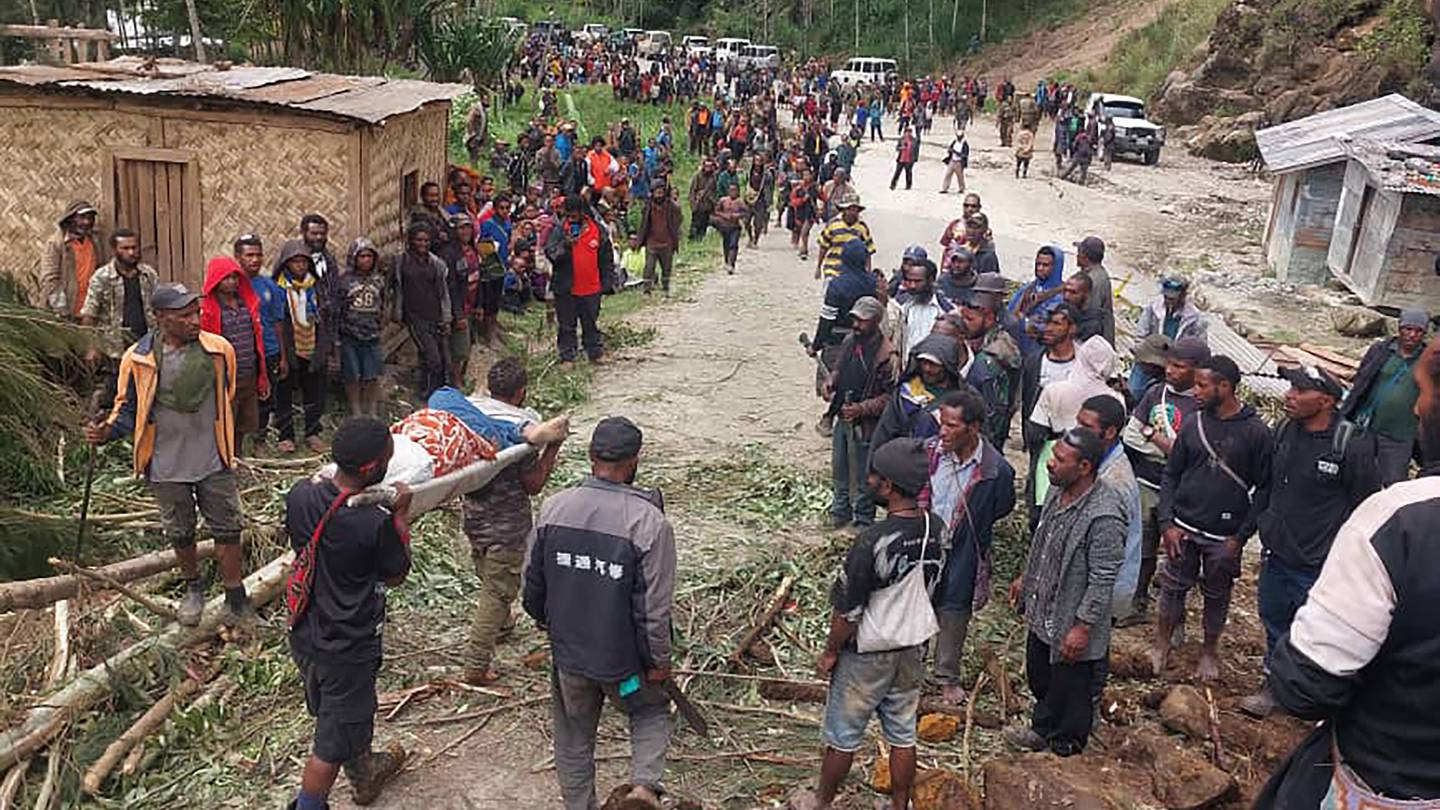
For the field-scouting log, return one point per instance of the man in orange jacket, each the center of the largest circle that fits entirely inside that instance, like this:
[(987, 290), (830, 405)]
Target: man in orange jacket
[(176, 391)]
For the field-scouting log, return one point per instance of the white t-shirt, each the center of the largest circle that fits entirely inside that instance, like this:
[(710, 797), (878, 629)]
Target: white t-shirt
[(919, 321), (1052, 371)]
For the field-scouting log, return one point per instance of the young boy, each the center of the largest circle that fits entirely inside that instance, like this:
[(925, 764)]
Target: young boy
[(882, 681), (362, 307), (344, 557), (231, 309)]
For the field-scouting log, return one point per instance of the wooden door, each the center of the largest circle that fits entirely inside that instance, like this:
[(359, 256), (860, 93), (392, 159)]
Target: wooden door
[(155, 192)]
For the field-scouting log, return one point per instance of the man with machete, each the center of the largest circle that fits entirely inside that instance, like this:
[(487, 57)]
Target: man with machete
[(174, 399), (857, 388), (600, 580)]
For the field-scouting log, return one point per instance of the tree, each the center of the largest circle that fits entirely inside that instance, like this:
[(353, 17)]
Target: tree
[(455, 42), (195, 38)]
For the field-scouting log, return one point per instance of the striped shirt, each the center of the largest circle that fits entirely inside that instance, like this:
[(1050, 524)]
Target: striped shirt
[(833, 238)]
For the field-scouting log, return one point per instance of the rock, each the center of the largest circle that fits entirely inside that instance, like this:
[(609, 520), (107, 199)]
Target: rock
[(1046, 782), (1186, 781), (936, 728), (1184, 710), (880, 775), (1359, 322), (942, 790), (1226, 138)]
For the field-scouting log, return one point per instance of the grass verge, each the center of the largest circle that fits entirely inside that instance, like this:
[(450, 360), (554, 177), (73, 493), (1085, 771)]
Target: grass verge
[(1143, 58)]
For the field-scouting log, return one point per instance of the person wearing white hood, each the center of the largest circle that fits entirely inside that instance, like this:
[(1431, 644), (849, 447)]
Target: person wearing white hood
[(1060, 402)]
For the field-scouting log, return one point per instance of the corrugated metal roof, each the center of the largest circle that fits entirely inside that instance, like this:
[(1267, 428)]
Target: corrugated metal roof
[(370, 99), (1406, 168), (1316, 139)]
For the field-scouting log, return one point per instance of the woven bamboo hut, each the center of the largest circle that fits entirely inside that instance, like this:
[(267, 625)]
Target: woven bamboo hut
[(191, 156)]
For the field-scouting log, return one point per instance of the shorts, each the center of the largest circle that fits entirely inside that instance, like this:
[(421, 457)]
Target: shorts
[(460, 341), (216, 496), (361, 361), (246, 405), (341, 698), (866, 684)]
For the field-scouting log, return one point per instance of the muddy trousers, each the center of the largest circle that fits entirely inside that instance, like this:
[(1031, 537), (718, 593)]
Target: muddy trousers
[(499, 571), (575, 709), (1180, 574), (1063, 706), (950, 646), (956, 170)]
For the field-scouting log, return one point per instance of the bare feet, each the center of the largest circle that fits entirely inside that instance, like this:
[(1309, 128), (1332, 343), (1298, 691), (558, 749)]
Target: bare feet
[(953, 694), (1159, 657), (1209, 667), (806, 800), (645, 794), (549, 431), (285, 447)]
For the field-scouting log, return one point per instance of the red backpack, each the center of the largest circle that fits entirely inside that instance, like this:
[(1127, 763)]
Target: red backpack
[(302, 573)]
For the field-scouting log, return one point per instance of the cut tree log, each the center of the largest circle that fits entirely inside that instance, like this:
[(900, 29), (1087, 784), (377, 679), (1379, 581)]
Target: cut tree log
[(143, 727), (43, 722), (36, 593), (757, 630), (149, 603)]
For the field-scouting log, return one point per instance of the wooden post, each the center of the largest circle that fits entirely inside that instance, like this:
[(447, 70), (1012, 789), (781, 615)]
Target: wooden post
[(55, 45)]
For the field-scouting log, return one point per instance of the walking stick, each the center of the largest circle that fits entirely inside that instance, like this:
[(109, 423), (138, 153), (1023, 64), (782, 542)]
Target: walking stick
[(90, 415)]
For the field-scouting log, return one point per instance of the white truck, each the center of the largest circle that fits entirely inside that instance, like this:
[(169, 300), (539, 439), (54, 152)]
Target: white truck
[(653, 43), (696, 46), (591, 32), (759, 57), (863, 71), (728, 48), (1134, 134)]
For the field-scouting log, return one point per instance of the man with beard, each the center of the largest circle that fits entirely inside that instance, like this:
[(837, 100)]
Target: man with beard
[(422, 301), (659, 235), (1218, 470), (1090, 257), (1064, 596), (985, 335), (117, 300), (930, 374), (857, 388), (1382, 399), (583, 265), (71, 258), (920, 305), (1151, 431), (957, 283), (839, 232), (1076, 293), (703, 196), (971, 486), (1322, 469), (1363, 653)]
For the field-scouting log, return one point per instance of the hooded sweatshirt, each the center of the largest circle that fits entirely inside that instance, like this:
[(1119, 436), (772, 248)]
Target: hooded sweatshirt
[(853, 283), (1197, 494), (1059, 403), (211, 319), (362, 296), (309, 326), (1047, 289), (911, 409)]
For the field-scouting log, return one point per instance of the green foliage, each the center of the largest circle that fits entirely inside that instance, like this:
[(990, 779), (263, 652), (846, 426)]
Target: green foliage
[(1293, 26), (348, 36), (455, 42), (1142, 59), (1402, 40)]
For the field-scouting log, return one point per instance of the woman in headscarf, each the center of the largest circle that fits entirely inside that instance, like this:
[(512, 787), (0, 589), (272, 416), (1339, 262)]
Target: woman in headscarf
[(1030, 306)]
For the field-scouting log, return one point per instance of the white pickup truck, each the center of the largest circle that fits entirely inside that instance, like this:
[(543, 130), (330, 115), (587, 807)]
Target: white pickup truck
[(696, 46), (591, 32), (653, 43), (728, 48), (1133, 133), (759, 57), (862, 71)]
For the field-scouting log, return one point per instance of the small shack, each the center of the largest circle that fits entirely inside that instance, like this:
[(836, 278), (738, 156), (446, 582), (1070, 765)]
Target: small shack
[(1307, 159), (191, 156), (1387, 227)]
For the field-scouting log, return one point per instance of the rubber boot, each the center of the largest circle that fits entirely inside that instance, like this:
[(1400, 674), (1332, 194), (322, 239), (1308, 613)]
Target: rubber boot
[(369, 773)]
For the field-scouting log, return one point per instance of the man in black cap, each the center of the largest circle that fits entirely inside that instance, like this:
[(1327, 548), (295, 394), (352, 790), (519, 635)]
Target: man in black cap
[(1217, 474), (857, 388), (600, 580), (985, 334), (1090, 256), (337, 609), (1322, 469), (1149, 434), (1064, 595), (174, 400), (1382, 399), (874, 654)]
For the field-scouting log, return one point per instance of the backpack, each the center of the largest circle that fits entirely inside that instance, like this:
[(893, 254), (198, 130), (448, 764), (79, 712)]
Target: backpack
[(1333, 461), (899, 615), (302, 573)]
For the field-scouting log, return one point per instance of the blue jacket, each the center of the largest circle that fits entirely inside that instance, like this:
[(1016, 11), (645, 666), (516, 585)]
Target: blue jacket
[(1039, 313), (272, 311), (991, 498)]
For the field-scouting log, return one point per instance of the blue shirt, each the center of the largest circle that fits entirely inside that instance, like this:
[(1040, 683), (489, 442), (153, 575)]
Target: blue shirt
[(493, 230), (272, 311), (565, 144)]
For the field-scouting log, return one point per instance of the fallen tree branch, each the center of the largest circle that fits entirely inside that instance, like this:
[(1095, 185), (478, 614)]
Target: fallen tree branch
[(147, 602), (970, 725), (43, 722), (36, 593), (147, 724), (757, 630), (11, 784), (1217, 753), (504, 707)]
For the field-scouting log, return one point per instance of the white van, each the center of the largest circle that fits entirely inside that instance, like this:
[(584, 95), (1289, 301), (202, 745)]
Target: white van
[(696, 46), (865, 70), (654, 43), (760, 57), (727, 48)]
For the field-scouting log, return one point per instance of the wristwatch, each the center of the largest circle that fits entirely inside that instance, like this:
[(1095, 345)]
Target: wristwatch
[(1148, 431)]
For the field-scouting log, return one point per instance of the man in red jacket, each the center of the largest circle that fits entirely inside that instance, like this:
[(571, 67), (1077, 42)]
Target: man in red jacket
[(231, 309)]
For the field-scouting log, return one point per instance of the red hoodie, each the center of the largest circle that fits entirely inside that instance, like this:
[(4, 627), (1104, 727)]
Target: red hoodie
[(218, 268)]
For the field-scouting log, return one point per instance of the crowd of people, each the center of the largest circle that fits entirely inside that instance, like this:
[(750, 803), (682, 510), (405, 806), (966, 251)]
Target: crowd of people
[(923, 372)]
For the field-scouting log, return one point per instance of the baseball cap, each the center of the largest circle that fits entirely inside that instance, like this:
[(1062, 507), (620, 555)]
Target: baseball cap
[(916, 253), (1415, 317), (1313, 378), (1091, 246), (172, 296), (990, 283), (616, 438), (903, 462), (1173, 285), (1154, 350), (867, 307), (962, 252)]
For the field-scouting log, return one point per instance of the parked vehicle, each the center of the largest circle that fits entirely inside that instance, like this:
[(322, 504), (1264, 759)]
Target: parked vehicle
[(592, 32), (728, 48), (696, 46), (864, 71), (548, 29), (1134, 134), (514, 25), (654, 43), (760, 57)]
